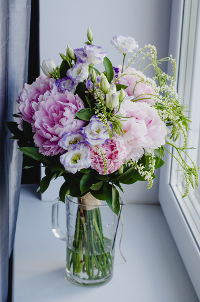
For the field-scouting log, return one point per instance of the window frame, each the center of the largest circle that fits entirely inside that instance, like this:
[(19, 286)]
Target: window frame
[(176, 210)]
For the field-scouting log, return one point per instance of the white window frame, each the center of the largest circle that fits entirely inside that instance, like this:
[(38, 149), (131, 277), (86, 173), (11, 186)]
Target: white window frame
[(181, 213)]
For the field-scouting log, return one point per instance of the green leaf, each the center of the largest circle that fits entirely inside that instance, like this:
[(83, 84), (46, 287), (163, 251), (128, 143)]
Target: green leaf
[(85, 183), (84, 170), (96, 186), (123, 178), (109, 69), (75, 190), (96, 70), (102, 177), (44, 184), (120, 86), (159, 163), (63, 68), (85, 114), (27, 129), (98, 194), (88, 101), (64, 190), (112, 197), (13, 128), (34, 153)]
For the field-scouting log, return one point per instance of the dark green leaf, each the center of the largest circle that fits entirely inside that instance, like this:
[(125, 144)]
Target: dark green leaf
[(85, 170), (120, 86), (80, 90), (102, 177), (88, 101), (134, 178), (44, 184), (13, 127), (28, 167), (112, 197), (63, 68), (85, 183), (85, 114), (75, 190), (123, 178), (27, 129), (109, 69), (98, 194), (34, 153), (65, 190), (96, 186)]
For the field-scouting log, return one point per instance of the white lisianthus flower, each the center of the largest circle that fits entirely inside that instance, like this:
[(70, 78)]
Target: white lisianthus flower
[(69, 140), (124, 44), (48, 67), (95, 133), (79, 72), (76, 158), (90, 54)]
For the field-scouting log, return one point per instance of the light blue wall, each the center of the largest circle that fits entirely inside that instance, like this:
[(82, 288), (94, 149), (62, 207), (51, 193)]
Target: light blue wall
[(65, 22)]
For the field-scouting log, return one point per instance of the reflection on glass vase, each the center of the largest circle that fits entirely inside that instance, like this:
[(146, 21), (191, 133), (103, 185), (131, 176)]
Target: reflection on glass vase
[(90, 239)]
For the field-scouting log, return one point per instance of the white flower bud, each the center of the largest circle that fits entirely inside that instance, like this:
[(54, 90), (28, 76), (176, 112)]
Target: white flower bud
[(104, 84), (70, 52), (112, 100), (89, 35), (48, 67)]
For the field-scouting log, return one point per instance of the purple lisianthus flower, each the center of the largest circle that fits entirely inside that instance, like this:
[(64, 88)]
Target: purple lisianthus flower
[(66, 84), (95, 132), (91, 54), (79, 72), (76, 158), (89, 84), (70, 139), (116, 72)]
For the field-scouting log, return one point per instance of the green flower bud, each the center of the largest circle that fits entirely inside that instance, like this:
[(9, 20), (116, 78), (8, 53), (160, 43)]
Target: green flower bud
[(89, 35), (112, 99), (104, 84), (93, 76), (121, 169), (70, 52), (122, 95)]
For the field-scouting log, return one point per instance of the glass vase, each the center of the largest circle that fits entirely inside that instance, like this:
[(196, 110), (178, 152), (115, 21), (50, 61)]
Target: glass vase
[(90, 239)]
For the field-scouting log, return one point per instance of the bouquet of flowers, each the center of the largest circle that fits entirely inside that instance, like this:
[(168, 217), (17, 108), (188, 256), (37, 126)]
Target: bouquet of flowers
[(99, 130)]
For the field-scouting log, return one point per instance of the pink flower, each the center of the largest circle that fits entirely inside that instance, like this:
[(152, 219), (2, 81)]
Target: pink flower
[(55, 116), (144, 130), (29, 97), (114, 152), (134, 80)]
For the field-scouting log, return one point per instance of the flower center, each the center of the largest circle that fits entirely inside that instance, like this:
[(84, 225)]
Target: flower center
[(76, 158)]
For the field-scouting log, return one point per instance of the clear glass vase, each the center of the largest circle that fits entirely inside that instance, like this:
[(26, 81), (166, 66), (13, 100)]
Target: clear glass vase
[(90, 239)]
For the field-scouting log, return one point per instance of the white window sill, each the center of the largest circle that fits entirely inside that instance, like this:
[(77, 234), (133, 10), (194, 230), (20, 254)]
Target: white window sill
[(154, 271)]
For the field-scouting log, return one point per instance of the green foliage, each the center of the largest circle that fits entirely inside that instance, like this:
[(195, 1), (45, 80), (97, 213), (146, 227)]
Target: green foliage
[(85, 114), (112, 197), (109, 69)]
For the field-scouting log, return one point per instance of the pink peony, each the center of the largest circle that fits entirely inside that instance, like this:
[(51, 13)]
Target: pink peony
[(29, 97), (144, 130), (134, 80), (114, 153), (55, 116)]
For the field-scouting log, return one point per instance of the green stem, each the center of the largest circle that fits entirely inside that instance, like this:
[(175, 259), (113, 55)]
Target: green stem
[(123, 62)]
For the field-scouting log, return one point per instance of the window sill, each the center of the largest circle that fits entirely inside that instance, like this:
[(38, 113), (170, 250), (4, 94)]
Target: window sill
[(154, 270)]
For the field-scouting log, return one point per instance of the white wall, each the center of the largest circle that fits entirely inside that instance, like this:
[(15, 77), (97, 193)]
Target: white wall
[(65, 22)]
